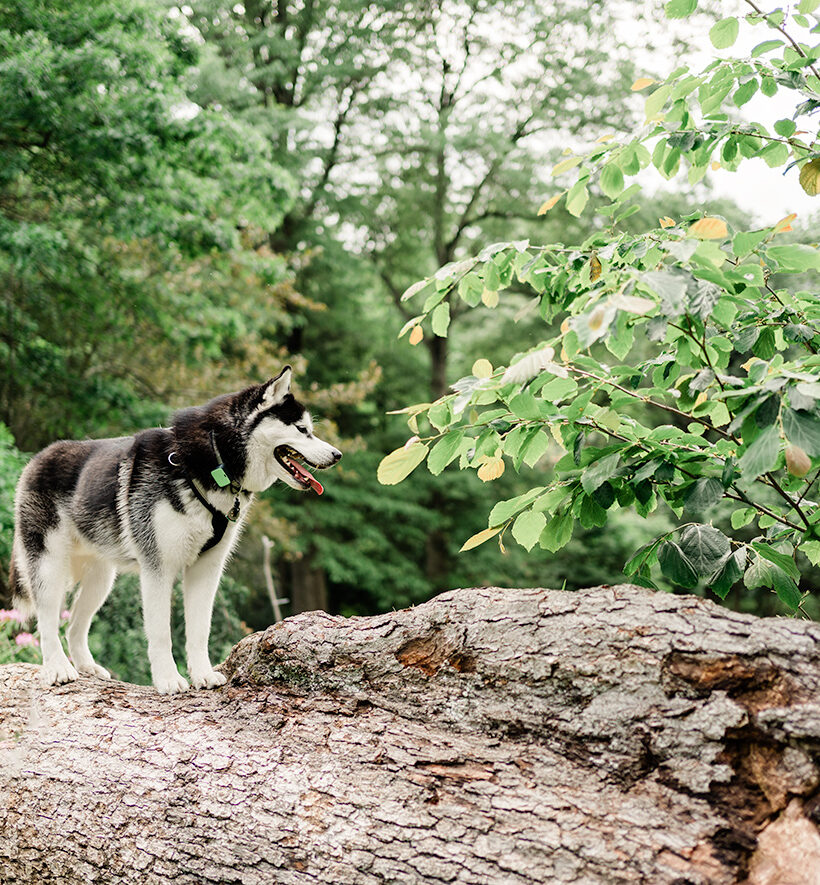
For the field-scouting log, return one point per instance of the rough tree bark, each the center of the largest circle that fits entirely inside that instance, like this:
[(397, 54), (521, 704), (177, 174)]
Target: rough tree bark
[(611, 735)]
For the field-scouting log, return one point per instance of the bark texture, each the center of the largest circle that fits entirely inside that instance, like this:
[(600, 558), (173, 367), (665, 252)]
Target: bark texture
[(611, 735)]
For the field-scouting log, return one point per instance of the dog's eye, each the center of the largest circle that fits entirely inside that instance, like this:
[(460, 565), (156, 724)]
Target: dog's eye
[(302, 430)]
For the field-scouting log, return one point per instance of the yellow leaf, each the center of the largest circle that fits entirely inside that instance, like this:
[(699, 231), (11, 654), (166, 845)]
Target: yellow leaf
[(785, 224), (701, 399), (555, 430), (545, 207), (594, 268), (565, 326), (666, 221), (479, 538), (489, 298), (596, 318), (416, 335), (393, 468), (566, 165), (491, 469), (709, 228), (604, 138), (482, 368), (715, 166), (810, 177), (642, 83), (798, 462)]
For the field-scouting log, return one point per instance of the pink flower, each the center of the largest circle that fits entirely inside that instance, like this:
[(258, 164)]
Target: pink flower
[(65, 615), (26, 639), (11, 614)]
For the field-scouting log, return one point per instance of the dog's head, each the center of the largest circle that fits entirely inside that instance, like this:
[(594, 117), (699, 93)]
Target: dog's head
[(280, 439)]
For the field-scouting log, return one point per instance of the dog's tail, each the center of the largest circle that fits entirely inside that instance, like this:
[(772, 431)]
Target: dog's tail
[(19, 594)]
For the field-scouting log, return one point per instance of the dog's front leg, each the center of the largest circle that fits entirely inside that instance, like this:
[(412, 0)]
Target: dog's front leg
[(156, 611), (199, 587)]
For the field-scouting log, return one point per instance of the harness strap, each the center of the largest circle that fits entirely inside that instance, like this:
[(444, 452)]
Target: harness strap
[(219, 521)]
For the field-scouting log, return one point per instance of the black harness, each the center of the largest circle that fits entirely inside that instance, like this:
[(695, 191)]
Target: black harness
[(219, 520)]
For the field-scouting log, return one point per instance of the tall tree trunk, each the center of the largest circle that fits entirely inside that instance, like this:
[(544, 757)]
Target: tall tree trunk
[(308, 590), (490, 736)]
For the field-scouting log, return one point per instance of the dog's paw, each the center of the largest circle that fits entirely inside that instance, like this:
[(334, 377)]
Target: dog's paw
[(173, 683), (90, 668), (57, 672), (209, 679)]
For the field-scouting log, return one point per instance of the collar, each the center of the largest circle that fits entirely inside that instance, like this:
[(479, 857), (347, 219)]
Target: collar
[(220, 475)]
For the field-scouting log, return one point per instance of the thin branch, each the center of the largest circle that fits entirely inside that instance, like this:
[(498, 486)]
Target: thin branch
[(652, 402), (786, 34)]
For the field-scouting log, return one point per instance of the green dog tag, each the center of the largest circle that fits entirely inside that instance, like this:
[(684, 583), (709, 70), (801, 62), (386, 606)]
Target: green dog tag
[(220, 477)]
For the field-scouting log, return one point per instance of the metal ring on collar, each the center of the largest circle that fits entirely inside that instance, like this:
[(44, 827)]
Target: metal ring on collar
[(171, 460)]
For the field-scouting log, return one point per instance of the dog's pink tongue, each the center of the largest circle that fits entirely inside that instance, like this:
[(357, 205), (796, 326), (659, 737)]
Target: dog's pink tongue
[(309, 477)]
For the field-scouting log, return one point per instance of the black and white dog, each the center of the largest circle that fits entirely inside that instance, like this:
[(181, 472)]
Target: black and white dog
[(162, 502)]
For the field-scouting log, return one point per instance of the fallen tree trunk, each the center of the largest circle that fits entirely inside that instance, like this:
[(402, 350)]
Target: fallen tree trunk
[(489, 736)]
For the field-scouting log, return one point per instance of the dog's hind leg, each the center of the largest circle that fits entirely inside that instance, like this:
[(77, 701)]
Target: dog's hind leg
[(96, 580), (199, 587), (156, 611), (51, 578)]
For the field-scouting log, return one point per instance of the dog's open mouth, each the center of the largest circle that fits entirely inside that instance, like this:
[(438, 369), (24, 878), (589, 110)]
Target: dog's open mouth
[(292, 461)]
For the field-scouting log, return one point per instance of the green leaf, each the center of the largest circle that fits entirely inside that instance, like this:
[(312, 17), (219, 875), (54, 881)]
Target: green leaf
[(680, 8), (728, 575), (780, 559), (761, 456), (525, 406), (796, 258), (439, 415), (785, 127), (806, 6), (557, 532), (444, 451), (528, 527), (440, 319), (656, 101), (766, 46), (612, 181), (744, 92), (470, 287), (577, 198), (724, 33), (504, 510), (676, 566), (534, 448), (670, 286), (399, 464), (599, 471), (786, 589), (492, 278), (812, 551), (764, 573), (704, 494), (802, 429), (590, 514), (744, 243), (705, 548), (743, 517)]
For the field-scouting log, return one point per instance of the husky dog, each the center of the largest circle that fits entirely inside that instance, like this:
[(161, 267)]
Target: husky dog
[(162, 502)]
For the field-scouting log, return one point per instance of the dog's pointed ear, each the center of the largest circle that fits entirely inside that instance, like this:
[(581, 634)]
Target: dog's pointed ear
[(277, 388)]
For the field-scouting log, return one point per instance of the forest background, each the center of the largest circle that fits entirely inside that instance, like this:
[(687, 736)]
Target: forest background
[(192, 196)]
